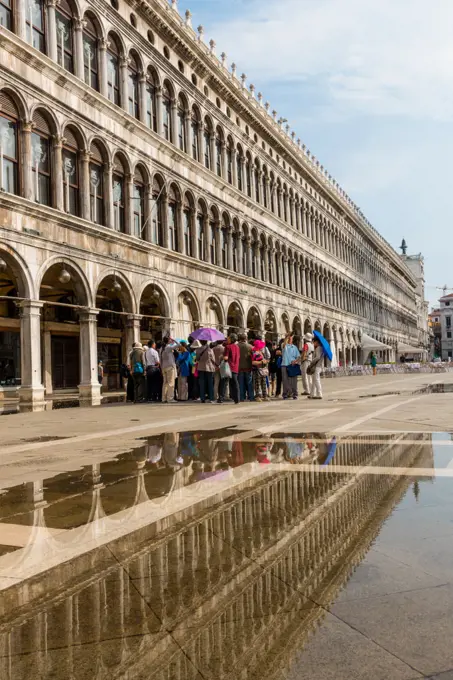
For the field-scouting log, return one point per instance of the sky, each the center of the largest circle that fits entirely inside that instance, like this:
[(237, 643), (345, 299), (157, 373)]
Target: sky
[(368, 87)]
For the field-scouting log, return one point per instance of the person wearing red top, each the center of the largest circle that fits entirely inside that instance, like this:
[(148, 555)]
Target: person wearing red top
[(232, 355)]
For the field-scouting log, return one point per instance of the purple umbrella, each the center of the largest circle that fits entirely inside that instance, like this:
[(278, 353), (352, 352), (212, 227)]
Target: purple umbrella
[(210, 334)]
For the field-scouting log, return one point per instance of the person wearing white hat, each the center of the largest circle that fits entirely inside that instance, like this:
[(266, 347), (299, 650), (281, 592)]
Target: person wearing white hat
[(307, 355)]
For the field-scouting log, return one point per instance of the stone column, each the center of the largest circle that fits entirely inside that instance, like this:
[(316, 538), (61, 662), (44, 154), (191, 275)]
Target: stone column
[(132, 331), (218, 246), (142, 97), (27, 179), (234, 168), (89, 388), (165, 239), (124, 63), (108, 196), (85, 184), (21, 27), (79, 25), (58, 172), (243, 177), (248, 245), (224, 163), (296, 271), (47, 356), (303, 276), (103, 77), (272, 273), (240, 246), (52, 30), (206, 238), (31, 392), (291, 211), (189, 133), (193, 233), (266, 192)]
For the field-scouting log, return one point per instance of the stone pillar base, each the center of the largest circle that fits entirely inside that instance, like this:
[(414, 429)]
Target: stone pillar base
[(31, 399), (90, 395)]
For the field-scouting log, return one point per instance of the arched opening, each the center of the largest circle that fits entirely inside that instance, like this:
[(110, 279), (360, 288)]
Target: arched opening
[(167, 96), (12, 285), (119, 194), (61, 285), (64, 17), (308, 328), (297, 331), (230, 155), (219, 143), (182, 115), (188, 314), (114, 345), (41, 162), (213, 314), (240, 160), (235, 318), (154, 308), (9, 145), (270, 327), (97, 183), (71, 171), (174, 200), (133, 95), (253, 323), (285, 324), (91, 34), (188, 225), (138, 202), (195, 124), (157, 211), (151, 99), (213, 228), (208, 135), (113, 69)]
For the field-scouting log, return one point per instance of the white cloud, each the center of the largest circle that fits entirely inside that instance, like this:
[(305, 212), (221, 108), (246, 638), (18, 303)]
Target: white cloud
[(385, 57)]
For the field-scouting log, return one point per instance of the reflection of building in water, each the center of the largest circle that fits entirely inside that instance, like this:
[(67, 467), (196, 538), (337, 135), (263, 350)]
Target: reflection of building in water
[(232, 583)]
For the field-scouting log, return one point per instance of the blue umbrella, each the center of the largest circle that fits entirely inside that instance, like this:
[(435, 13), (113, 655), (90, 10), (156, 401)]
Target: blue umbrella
[(324, 343)]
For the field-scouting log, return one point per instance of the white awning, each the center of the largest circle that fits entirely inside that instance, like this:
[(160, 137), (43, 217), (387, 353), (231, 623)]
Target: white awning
[(370, 343), (403, 349)]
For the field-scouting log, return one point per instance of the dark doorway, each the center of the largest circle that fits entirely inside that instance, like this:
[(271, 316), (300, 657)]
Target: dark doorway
[(65, 362), (110, 354)]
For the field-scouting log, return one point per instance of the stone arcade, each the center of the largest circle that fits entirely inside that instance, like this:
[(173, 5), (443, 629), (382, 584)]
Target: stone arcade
[(146, 188)]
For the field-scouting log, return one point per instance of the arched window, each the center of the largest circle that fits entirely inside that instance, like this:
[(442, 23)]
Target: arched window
[(188, 226), (263, 262), (173, 220), (212, 238), (133, 97), (156, 219), (279, 199), (138, 203), (195, 124), (219, 151), (151, 101), (35, 27), (229, 153), (244, 256), (166, 110), (97, 212), (71, 158), (248, 175), (65, 35), (6, 15), (119, 197), (269, 265), (272, 193), (182, 141), (201, 233), (41, 150), (90, 53), (257, 182), (224, 243), (254, 259), (285, 203), (264, 185), (113, 71), (9, 127), (235, 244), (239, 163), (207, 144)]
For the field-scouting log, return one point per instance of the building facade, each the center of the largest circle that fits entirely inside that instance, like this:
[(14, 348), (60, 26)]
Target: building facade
[(417, 266), (446, 331), (435, 333), (146, 189)]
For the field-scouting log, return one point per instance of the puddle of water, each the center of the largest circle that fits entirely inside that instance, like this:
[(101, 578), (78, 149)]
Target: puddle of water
[(435, 389), (269, 548)]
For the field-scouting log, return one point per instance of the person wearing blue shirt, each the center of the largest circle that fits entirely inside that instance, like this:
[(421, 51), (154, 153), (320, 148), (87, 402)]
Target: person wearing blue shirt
[(183, 364), (290, 357)]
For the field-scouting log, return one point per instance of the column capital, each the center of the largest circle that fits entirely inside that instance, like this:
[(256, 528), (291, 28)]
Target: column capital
[(30, 306), (52, 3), (58, 141), (79, 24), (27, 125), (86, 155), (104, 44), (125, 61), (88, 314)]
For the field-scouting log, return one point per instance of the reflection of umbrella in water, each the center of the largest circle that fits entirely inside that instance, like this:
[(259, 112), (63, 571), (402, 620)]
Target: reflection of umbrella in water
[(324, 344), (331, 449)]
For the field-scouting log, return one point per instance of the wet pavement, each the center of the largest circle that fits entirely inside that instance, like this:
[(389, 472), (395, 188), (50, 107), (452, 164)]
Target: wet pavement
[(232, 554)]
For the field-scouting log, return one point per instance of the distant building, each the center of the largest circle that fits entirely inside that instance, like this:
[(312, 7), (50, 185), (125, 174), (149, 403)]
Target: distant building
[(446, 314), (416, 265), (435, 330)]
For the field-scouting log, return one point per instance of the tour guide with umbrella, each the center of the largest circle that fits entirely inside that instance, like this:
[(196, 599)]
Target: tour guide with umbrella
[(324, 344), (209, 334), (322, 348)]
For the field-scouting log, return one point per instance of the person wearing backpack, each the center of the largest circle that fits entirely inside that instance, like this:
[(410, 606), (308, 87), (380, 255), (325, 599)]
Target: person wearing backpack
[(138, 364)]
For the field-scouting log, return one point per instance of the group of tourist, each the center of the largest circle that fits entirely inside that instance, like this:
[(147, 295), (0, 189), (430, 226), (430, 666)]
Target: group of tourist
[(238, 368)]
